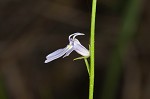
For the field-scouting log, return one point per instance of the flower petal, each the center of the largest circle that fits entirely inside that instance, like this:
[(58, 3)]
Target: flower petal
[(68, 52), (74, 35), (56, 54), (80, 49)]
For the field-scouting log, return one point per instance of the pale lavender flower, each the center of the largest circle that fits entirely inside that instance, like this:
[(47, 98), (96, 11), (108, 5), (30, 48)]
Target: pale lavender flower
[(74, 45)]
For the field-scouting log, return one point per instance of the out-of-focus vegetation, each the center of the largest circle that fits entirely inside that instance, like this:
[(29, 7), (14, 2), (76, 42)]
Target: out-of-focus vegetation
[(125, 37), (30, 29)]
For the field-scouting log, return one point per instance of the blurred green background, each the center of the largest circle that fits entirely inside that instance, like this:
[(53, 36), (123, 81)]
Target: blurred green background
[(31, 29)]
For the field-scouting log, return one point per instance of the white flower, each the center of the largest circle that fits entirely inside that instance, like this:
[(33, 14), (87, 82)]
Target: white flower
[(74, 44)]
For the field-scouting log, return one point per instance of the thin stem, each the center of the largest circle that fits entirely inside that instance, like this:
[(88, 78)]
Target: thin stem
[(87, 65), (92, 47)]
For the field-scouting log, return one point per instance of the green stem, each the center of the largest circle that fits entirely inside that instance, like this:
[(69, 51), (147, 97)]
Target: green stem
[(92, 47), (87, 65)]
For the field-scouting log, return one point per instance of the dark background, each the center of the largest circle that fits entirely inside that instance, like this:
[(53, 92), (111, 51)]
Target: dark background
[(31, 29)]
